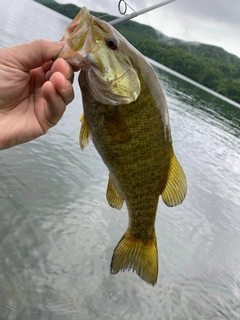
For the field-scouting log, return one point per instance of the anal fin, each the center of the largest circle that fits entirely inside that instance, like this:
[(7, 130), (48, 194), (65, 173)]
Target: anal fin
[(113, 197), (85, 133), (176, 187)]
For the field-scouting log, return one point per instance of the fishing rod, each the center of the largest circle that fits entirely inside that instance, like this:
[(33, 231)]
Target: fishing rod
[(136, 13)]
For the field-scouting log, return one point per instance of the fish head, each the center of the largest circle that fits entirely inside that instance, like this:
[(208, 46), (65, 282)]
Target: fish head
[(106, 58)]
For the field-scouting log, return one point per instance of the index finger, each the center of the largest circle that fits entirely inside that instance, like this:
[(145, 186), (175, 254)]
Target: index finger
[(30, 55)]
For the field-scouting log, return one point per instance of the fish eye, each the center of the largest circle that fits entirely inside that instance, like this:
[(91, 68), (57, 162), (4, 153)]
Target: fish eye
[(111, 43)]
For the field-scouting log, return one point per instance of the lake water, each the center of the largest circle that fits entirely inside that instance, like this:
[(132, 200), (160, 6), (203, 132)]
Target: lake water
[(57, 232)]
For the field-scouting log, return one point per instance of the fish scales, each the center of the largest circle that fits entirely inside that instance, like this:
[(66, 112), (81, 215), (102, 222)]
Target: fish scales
[(126, 116)]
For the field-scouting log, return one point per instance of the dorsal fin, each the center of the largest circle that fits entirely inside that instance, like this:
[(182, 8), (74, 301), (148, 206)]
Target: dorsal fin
[(176, 187)]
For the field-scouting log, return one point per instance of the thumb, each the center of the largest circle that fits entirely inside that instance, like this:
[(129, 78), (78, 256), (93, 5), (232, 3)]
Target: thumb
[(32, 54)]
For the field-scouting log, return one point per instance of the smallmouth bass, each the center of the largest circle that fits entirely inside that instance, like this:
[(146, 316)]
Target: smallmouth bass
[(126, 116)]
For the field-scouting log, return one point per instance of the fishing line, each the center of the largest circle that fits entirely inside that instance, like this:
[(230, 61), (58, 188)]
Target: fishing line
[(103, 16)]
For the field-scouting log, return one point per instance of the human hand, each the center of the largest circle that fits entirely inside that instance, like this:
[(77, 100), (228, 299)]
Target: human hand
[(34, 91)]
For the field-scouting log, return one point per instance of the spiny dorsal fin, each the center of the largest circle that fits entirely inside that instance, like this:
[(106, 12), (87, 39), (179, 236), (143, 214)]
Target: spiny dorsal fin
[(85, 134), (113, 197), (176, 187), (141, 257)]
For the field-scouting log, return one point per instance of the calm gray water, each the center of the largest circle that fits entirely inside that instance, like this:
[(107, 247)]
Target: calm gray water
[(57, 232)]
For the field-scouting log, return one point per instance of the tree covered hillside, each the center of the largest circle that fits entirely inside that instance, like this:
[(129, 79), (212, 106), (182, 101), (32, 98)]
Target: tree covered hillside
[(209, 65)]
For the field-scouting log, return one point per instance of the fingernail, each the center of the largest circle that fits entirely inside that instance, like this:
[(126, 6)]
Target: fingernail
[(65, 84), (61, 43)]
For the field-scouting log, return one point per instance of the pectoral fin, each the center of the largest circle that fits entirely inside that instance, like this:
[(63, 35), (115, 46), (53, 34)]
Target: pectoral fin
[(176, 187), (85, 134), (113, 197)]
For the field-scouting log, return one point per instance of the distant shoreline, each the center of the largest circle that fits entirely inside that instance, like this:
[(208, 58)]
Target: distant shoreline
[(208, 65)]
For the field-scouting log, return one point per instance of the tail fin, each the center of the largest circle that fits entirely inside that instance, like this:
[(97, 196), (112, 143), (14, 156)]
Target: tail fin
[(138, 255)]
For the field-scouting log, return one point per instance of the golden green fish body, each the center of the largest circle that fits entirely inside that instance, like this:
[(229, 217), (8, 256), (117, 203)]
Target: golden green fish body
[(126, 115), (135, 144)]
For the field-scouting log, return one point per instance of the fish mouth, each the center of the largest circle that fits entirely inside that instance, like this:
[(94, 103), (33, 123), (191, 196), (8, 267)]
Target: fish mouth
[(79, 40), (110, 91), (103, 82)]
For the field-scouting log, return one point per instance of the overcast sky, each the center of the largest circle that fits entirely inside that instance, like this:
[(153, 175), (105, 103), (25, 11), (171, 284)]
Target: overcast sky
[(209, 21)]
